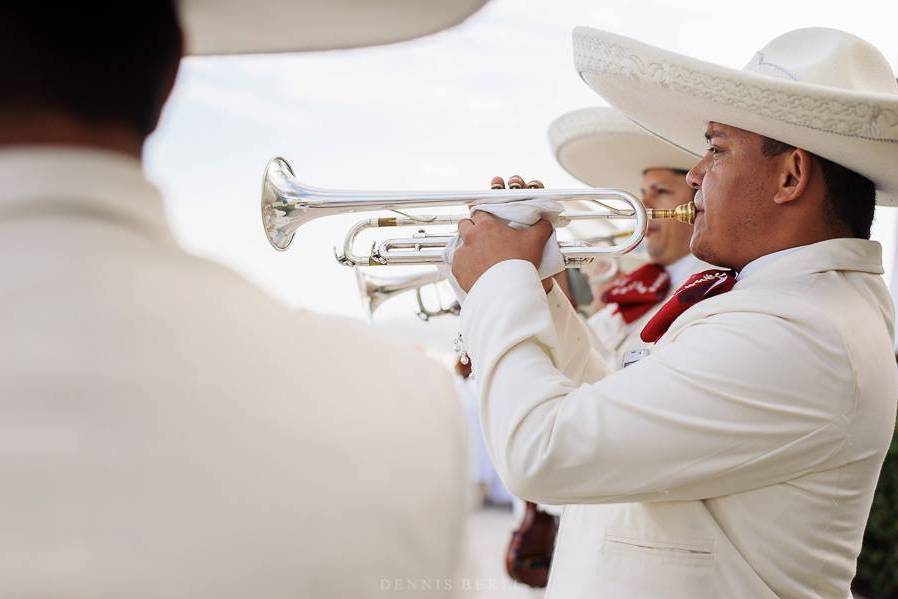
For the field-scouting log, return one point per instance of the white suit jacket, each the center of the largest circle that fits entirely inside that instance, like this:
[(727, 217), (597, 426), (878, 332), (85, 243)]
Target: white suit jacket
[(168, 430), (612, 337), (738, 460)]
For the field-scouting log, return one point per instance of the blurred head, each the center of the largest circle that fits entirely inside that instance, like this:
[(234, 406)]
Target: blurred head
[(105, 70), (666, 240), (759, 196)]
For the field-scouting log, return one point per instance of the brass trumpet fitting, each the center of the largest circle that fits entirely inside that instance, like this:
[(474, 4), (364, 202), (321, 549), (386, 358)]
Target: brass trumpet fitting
[(684, 213)]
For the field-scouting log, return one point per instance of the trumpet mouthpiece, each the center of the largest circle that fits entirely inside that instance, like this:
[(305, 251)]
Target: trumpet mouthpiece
[(684, 213)]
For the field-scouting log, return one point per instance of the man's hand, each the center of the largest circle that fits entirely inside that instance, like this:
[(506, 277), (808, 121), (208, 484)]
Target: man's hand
[(488, 241)]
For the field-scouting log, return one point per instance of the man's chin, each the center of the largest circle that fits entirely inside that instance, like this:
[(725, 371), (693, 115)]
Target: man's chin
[(705, 252), (699, 249)]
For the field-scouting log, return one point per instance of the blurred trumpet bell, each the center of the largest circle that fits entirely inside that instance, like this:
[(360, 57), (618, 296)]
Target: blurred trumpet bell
[(375, 290)]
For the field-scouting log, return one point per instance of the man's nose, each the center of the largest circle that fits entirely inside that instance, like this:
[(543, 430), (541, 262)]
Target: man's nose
[(696, 174)]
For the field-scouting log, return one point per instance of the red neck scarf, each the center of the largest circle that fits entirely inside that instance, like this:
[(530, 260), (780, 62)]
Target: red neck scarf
[(699, 286), (638, 292)]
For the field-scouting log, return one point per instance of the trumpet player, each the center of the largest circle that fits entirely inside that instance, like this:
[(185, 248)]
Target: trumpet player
[(167, 429), (739, 458), (600, 147)]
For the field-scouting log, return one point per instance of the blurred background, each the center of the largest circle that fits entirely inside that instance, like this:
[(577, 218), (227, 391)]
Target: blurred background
[(445, 112)]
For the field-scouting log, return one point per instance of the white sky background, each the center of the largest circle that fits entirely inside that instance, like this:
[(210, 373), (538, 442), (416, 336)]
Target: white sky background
[(444, 112)]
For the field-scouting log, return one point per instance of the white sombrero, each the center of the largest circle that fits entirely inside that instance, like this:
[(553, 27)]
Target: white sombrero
[(602, 148), (241, 27), (823, 90)]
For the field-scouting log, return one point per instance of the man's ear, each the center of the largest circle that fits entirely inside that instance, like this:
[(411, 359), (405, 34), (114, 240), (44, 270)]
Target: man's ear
[(795, 175)]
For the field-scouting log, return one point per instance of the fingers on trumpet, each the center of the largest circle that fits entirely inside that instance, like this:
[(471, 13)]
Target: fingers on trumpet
[(515, 182)]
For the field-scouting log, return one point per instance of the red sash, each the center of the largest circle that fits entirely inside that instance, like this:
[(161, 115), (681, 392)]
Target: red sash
[(638, 292), (699, 286)]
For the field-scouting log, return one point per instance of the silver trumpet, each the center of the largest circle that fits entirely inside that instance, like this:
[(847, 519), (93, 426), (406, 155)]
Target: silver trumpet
[(287, 204), (375, 290)]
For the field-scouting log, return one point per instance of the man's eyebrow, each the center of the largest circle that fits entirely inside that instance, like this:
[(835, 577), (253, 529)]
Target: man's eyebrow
[(711, 133)]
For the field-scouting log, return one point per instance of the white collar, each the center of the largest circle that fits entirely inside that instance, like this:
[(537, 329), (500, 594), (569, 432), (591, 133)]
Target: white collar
[(93, 183), (680, 270), (766, 259)]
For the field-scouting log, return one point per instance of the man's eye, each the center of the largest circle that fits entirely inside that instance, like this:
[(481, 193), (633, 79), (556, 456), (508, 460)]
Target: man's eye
[(713, 150)]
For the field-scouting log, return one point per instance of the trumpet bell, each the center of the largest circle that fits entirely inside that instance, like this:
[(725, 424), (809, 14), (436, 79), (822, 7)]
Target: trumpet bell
[(371, 299), (279, 228)]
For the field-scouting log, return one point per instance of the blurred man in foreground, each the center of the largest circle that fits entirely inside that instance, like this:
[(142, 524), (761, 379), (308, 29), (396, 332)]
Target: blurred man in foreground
[(167, 429)]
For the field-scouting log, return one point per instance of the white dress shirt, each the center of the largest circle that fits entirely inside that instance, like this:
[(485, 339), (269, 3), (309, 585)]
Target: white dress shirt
[(760, 262), (168, 430), (680, 270), (738, 460)]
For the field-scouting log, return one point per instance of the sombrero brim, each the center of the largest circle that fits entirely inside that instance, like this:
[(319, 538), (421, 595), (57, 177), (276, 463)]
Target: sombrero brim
[(601, 148), (675, 96), (270, 26)]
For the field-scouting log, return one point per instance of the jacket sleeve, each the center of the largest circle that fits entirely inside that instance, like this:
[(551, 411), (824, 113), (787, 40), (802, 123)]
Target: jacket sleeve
[(724, 408), (573, 352)]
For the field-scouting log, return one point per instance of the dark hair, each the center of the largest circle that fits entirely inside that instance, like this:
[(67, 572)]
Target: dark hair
[(109, 65), (850, 197)]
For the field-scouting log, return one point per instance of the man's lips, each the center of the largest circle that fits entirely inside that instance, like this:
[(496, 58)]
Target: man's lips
[(699, 201), (699, 207)]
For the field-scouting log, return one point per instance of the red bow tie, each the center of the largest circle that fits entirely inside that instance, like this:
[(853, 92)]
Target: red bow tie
[(638, 292), (699, 286)]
